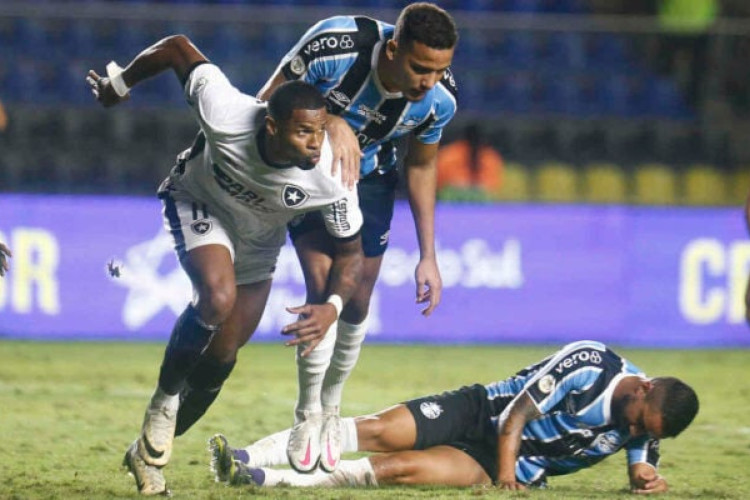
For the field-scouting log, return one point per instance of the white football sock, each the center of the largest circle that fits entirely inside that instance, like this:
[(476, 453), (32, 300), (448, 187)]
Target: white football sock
[(271, 450), (345, 355), (349, 473), (310, 373)]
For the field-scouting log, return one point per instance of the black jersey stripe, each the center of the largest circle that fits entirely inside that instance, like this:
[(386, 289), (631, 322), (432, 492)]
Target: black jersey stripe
[(425, 124), (391, 110), (366, 38), (386, 153)]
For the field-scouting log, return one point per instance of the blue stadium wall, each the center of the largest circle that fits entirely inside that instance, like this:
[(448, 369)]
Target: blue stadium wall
[(634, 276)]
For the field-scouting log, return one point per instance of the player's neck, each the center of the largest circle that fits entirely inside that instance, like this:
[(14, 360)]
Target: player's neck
[(384, 71)]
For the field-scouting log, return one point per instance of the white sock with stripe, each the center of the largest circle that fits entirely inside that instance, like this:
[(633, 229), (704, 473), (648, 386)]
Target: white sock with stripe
[(349, 473), (345, 355)]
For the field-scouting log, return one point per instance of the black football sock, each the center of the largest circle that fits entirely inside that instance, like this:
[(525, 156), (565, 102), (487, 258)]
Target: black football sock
[(202, 388), (190, 338)]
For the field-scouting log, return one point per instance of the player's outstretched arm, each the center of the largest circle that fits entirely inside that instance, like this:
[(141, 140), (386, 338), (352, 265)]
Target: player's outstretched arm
[(421, 179), (175, 52), (645, 479), (509, 440), (316, 319), (4, 254)]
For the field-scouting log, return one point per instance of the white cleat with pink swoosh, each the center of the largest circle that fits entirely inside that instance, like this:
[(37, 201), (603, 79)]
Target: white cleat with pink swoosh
[(303, 449), (330, 441)]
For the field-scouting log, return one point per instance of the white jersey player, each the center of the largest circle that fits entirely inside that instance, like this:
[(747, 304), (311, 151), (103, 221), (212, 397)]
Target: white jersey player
[(253, 167)]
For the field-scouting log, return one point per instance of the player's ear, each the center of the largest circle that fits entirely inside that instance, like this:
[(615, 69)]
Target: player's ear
[(645, 386), (271, 125), (391, 47)]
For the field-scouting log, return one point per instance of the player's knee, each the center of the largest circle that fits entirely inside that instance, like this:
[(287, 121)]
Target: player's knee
[(216, 300), (355, 311)]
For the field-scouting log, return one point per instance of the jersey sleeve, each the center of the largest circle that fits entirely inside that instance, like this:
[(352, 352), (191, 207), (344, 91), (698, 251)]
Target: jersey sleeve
[(343, 218), (219, 106), (643, 450), (317, 56), (446, 104)]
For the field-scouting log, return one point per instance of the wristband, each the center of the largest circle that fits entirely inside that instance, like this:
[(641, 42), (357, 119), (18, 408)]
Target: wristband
[(114, 73), (336, 302)]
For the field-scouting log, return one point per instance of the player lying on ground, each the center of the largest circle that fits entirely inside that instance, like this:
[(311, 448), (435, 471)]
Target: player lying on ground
[(562, 414), (252, 169)]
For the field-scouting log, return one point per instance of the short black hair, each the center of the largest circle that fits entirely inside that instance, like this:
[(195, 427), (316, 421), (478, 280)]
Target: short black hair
[(292, 95), (677, 402), (426, 23)]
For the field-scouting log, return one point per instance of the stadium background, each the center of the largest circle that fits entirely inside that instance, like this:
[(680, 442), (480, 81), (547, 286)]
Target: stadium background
[(618, 216)]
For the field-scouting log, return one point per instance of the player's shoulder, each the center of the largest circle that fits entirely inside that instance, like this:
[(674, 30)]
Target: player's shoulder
[(448, 87)]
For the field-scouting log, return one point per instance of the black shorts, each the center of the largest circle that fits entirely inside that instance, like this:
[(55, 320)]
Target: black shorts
[(460, 419), (377, 194)]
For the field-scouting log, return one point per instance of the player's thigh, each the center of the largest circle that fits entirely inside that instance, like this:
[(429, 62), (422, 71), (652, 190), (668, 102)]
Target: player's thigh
[(392, 429), (204, 248), (439, 465), (243, 320)]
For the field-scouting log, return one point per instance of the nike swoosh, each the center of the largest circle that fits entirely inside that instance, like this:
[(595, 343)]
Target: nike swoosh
[(306, 460), (330, 459)]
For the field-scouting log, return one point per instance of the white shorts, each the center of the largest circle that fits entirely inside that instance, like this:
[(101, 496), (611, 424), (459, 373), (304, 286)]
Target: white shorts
[(191, 226)]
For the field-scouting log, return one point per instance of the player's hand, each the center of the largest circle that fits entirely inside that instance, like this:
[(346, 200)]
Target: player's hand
[(429, 284), (4, 254), (510, 484), (103, 91), (312, 324), (650, 485), (346, 152)]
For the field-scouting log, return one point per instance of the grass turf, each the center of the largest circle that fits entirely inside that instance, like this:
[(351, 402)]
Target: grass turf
[(69, 410)]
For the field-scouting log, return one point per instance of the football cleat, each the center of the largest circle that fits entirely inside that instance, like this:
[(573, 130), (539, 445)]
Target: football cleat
[(149, 479), (303, 449), (157, 433), (241, 474), (330, 442), (223, 457)]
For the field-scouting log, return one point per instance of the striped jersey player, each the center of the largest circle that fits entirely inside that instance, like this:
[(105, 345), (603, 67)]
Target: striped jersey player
[(339, 55), (562, 414), (382, 83), (572, 390)]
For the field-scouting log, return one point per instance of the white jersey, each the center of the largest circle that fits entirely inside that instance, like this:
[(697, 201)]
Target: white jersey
[(253, 199)]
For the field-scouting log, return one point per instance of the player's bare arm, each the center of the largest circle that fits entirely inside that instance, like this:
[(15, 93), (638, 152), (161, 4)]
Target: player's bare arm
[(645, 479), (421, 178), (174, 52), (4, 254), (509, 441), (344, 144), (316, 319)]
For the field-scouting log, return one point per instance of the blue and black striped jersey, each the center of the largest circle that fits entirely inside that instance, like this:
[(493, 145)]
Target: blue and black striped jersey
[(339, 55), (573, 391)]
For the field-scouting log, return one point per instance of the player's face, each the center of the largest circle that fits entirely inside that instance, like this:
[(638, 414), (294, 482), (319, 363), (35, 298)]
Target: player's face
[(417, 68), (301, 137), (641, 418)]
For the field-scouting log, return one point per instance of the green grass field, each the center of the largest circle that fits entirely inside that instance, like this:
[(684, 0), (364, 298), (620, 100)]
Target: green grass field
[(69, 410)]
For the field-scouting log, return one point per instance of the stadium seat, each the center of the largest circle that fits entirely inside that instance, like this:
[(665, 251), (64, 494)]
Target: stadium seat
[(604, 183), (557, 182), (705, 185), (608, 51), (514, 183), (563, 94), (565, 49), (519, 49), (739, 185), (654, 184)]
